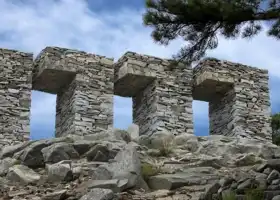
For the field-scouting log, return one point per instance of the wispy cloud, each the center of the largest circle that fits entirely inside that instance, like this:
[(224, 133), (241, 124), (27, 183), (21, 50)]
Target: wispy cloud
[(31, 25)]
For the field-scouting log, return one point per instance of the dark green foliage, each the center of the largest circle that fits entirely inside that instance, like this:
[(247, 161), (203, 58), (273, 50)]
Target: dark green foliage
[(229, 196), (200, 21), (148, 170), (254, 194), (250, 194), (275, 124)]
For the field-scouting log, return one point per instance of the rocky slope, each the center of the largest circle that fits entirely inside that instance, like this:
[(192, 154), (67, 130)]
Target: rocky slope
[(117, 165)]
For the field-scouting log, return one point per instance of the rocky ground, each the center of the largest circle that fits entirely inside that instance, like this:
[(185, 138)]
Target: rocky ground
[(118, 165)]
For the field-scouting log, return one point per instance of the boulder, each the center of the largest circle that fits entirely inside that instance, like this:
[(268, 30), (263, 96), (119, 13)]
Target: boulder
[(22, 174), (83, 146), (98, 153), (5, 164), (273, 176), (56, 195), (32, 156), (188, 177), (99, 194), (58, 152), (115, 185), (276, 197), (9, 151), (60, 172), (122, 135), (133, 131), (211, 190), (273, 164), (161, 139), (127, 165)]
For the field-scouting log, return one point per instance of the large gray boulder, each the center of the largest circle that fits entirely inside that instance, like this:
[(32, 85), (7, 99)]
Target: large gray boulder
[(188, 177), (9, 151), (122, 135), (115, 185), (22, 174), (60, 172), (58, 152), (126, 165), (5, 164), (56, 195), (98, 152), (32, 156), (133, 131), (99, 194), (157, 140)]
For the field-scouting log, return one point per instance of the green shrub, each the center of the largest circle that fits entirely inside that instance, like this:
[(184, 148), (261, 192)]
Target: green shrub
[(229, 196), (254, 194), (148, 170), (275, 125), (166, 147)]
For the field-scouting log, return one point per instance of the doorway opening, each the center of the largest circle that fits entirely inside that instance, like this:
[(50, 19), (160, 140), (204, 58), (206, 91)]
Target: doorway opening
[(201, 118), (122, 112), (42, 116)]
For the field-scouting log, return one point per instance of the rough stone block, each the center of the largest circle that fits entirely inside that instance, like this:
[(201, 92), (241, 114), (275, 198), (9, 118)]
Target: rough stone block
[(208, 85)]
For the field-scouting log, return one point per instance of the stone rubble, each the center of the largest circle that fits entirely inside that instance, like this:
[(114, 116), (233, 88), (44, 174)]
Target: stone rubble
[(197, 168)]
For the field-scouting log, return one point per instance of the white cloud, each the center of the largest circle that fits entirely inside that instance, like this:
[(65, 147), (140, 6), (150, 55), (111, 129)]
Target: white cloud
[(70, 23)]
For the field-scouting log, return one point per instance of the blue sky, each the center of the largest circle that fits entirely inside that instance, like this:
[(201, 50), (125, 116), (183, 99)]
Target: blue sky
[(111, 28)]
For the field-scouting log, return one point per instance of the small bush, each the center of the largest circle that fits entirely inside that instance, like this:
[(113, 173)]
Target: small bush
[(148, 170), (229, 196), (166, 148), (254, 194)]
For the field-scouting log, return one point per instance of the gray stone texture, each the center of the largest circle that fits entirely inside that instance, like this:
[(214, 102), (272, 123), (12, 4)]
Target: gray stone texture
[(15, 96), (238, 96), (83, 83), (162, 98)]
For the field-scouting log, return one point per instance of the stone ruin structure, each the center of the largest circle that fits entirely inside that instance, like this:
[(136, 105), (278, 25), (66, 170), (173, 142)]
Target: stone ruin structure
[(238, 95)]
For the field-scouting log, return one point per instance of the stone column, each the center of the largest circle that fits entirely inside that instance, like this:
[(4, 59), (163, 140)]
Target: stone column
[(162, 97), (15, 96), (238, 96), (83, 83)]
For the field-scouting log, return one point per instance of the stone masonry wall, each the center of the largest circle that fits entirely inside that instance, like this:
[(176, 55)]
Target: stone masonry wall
[(15, 96), (220, 114), (162, 99), (244, 107), (83, 83)]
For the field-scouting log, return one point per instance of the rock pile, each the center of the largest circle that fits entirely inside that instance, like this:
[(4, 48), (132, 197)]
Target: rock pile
[(113, 166)]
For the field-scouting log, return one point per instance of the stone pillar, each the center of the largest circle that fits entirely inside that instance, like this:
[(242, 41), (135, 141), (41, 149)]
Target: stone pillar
[(15, 96), (83, 83), (162, 98), (238, 96)]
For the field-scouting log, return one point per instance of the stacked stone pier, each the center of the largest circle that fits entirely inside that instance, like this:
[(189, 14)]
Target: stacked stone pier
[(238, 97), (162, 98), (85, 83), (15, 96)]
